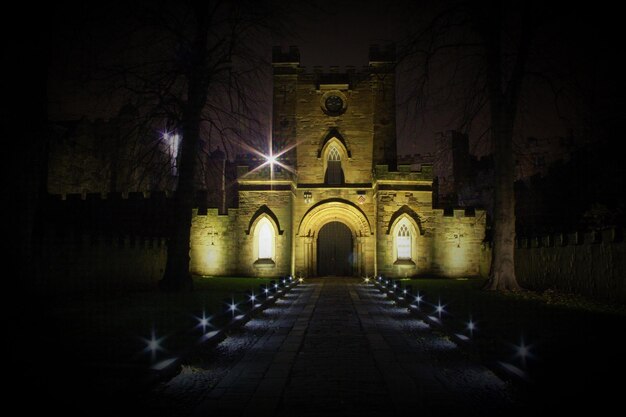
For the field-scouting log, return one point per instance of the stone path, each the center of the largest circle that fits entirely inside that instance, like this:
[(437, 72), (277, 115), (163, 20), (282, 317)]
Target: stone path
[(343, 349)]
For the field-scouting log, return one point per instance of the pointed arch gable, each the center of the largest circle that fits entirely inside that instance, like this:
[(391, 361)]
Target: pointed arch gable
[(264, 211), (405, 211), (333, 133)]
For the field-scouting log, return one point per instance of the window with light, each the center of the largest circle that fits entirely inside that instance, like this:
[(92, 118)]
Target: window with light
[(403, 242), (265, 239), (334, 173)]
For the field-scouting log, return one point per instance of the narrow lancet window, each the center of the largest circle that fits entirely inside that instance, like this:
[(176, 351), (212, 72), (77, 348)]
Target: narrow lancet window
[(403, 242), (266, 239), (334, 173)]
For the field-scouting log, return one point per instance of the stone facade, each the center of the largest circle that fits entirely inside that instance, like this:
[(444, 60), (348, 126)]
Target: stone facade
[(335, 140)]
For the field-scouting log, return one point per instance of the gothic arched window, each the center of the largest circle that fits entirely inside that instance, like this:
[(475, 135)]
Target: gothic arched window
[(334, 173), (265, 239), (403, 242)]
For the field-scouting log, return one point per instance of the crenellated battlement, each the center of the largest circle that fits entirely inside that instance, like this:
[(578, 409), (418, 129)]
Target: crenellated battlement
[(133, 196), (245, 173), (286, 61), (355, 73), (591, 263), (291, 55), (155, 197), (450, 214), (113, 214), (403, 173), (230, 215), (613, 235), (91, 239)]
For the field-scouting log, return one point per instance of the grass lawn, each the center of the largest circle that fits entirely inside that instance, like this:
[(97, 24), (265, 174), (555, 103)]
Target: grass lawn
[(574, 343), (111, 328)]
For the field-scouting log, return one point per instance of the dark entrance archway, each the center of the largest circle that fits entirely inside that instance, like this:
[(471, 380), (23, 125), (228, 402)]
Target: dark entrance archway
[(334, 250)]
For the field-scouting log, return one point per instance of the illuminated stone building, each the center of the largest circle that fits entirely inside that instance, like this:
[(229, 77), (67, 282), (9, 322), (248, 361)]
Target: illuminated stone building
[(335, 202)]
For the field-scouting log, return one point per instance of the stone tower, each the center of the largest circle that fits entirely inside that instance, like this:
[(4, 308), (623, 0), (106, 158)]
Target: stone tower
[(382, 78), (286, 66), (336, 203), (357, 109)]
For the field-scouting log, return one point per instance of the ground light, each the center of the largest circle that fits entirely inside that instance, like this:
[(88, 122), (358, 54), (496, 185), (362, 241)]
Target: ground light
[(440, 309), (153, 345), (203, 321), (471, 326), (523, 351), (418, 299), (232, 307)]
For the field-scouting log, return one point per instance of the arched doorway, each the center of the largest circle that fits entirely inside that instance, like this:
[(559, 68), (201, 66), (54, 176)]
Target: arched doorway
[(334, 250), (352, 218)]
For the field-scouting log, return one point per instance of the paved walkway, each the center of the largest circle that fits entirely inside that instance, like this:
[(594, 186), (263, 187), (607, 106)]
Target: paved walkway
[(343, 349)]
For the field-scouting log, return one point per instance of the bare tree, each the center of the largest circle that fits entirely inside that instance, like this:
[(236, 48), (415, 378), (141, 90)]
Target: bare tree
[(478, 52), (215, 58), (193, 71)]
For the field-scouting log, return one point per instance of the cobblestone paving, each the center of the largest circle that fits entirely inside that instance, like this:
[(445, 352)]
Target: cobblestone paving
[(335, 348)]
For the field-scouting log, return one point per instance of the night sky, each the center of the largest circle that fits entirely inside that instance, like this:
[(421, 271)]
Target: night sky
[(576, 44)]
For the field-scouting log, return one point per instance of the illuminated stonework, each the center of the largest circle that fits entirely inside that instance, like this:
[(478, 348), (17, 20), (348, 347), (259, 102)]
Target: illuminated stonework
[(344, 170)]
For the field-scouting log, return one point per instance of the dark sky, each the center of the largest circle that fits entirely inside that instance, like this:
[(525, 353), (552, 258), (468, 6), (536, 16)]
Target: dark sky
[(574, 46), (339, 33)]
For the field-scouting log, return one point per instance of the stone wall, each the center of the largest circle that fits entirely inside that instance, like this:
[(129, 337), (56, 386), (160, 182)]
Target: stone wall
[(383, 86), (78, 262), (279, 203), (392, 205), (592, 264), (225, 244), (458, 242), (445, 244), (213, 249)]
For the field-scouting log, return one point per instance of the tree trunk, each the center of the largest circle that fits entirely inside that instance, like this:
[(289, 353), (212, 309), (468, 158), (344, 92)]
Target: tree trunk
[(503, 98), (502, 275), (177, 276)]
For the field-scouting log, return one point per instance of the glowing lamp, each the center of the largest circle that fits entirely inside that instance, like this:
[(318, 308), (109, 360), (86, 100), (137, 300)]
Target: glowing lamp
[(153, 345), (471, 326), (440, 309), (523, 352), (203, 321), (271, 159)]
